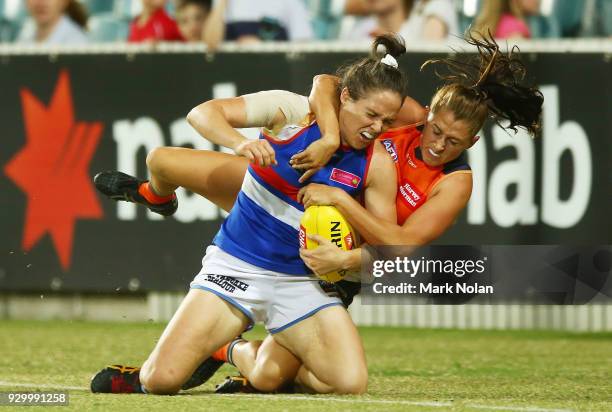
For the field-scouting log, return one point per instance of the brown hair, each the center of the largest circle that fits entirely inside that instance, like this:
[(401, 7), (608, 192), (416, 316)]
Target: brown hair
[(205, 4), (490, 14), (489, 85), (77, 13), (408, 5), (370, 73)]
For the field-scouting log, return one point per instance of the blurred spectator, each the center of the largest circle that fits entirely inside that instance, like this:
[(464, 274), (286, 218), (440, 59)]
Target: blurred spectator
[(190, 17), (153, 24), (413, 19), (248, 21), (506, 18), (597, 18), (54, 22)]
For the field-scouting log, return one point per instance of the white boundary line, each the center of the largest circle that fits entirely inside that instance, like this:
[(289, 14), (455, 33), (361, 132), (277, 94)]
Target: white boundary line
[(433, 404), (347, 400), (515, 408), (43, 386)]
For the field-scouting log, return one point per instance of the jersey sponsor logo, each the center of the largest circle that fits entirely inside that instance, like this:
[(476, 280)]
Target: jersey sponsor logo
[(390, 147), (227, 283), (345, 178), (410, 161), (411, 195)]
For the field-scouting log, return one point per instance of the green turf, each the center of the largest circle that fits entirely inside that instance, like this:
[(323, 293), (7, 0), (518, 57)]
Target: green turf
[(467, 370)]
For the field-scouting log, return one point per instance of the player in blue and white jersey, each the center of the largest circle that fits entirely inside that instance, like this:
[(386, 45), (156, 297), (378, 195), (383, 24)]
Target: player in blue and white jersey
[(253, 271)]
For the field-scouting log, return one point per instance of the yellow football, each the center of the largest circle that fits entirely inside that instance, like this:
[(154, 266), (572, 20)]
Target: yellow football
[(328, 222)]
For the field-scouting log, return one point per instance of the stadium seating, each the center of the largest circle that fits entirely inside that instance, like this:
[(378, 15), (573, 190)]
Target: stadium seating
[(325, 22), (109, 19), (606, 13), (107, 28), (12, 14), (568, 13), (95, 7)]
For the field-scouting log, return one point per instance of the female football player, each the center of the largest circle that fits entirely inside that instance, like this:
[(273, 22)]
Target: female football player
[(253, 271)]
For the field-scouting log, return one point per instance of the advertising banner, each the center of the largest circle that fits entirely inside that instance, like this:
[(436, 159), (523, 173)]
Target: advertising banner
[(67, 117)]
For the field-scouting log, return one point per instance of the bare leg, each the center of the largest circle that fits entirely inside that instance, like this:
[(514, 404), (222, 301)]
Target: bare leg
[(334, 352), (266, 365), (214, 175), (201, 324), (330, 348)]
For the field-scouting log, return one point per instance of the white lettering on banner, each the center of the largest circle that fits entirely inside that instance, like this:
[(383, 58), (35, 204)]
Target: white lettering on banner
[(520, 172), (477, 157), (191, 207), (145, 133), (130, 138), (569, 136), (558, 138)]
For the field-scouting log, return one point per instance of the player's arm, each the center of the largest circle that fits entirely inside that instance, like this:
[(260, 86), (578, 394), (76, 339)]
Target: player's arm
[(411, 112), (381, 187), (438, 213), (427, 223), (379, 194), (379, 198), (325, 103), (217, 119)]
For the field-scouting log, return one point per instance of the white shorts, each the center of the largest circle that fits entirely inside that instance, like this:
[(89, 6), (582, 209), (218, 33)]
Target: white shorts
[(278, 300)]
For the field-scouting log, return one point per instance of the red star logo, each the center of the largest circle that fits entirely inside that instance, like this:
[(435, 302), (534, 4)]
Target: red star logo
[(52, 169)]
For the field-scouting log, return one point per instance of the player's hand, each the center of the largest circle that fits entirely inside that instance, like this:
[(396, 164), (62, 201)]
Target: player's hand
[(313, 158), (324, 259), (257, 151), (318, 194)]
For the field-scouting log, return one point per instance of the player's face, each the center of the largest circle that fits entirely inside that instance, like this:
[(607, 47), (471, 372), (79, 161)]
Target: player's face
[(46, 11), (190, 19), (444, 138), (364, 119)]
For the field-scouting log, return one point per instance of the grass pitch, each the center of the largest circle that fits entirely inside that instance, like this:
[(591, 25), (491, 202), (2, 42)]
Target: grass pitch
[(409, 370)]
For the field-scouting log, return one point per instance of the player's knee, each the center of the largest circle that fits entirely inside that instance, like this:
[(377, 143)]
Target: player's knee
[(266, 381), (156, 159), (160, 381), (353, 382)]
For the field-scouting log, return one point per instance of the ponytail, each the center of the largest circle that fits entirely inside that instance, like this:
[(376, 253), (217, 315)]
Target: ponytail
[(77, 13)]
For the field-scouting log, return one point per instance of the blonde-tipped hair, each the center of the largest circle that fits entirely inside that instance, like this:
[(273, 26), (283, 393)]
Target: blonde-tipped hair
[(490, 14)]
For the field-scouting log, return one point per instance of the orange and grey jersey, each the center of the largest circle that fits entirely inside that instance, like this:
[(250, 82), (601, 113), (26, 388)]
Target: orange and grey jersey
[(416, 180)]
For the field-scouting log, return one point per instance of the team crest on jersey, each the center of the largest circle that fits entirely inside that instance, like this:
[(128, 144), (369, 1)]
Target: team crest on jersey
[(411, 195), (345, 178), (390, 147)]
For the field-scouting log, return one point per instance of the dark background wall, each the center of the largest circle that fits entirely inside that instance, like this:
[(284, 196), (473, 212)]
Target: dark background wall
[(57, 234)]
